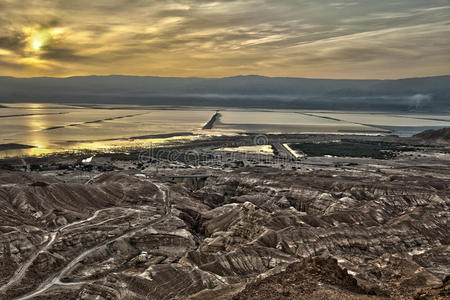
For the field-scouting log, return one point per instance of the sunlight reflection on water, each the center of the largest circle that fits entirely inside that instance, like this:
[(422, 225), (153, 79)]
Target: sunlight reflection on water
[(53, 128)]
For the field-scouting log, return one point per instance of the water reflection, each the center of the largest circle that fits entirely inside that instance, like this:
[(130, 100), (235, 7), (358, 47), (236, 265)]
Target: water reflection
[(35, 137), (33, 106), (54, 128)]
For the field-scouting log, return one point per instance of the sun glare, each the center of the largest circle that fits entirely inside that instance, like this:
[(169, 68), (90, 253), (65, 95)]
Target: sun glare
[(40, 39)]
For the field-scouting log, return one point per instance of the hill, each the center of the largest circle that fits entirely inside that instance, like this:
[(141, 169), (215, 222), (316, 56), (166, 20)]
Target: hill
[(440, 134)]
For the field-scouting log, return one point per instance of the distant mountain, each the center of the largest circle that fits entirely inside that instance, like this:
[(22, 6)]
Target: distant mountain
[(415, 94), (414, 85)]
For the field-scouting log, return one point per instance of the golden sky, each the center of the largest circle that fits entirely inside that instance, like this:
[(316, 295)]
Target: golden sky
[(295, 38)]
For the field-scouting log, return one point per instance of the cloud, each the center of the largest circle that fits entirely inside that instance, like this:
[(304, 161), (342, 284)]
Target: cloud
[(63, 55), (321, 38), (15, 42), (8, 65)]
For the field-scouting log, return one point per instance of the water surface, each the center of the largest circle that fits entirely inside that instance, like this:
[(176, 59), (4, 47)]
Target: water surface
[(52, 128)]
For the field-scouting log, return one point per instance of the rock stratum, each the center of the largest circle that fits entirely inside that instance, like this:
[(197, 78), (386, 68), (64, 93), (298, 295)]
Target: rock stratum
[(249, 233)]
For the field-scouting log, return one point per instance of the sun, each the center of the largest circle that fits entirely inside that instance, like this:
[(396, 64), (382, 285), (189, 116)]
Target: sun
[(39, 39)]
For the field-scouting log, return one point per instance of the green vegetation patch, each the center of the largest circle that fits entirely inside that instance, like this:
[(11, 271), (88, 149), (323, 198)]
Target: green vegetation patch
[(352, 148)]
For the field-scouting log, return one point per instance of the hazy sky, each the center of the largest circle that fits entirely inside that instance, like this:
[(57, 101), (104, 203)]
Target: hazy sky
[(296, 38)]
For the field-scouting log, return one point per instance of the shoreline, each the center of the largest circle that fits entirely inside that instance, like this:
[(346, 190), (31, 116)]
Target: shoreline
[(243, 139), (14, 146)]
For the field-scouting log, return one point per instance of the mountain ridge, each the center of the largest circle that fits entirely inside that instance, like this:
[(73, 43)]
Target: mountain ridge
[(225, 77), (416, 94)]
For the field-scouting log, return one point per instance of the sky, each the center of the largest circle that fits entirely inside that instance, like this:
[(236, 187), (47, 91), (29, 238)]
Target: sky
[(353, 39)]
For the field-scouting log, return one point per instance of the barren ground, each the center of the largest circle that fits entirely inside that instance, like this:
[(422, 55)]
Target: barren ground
[(195, 223)]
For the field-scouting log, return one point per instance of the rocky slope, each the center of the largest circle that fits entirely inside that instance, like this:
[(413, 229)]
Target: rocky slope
[(250, 233), (440, 134)]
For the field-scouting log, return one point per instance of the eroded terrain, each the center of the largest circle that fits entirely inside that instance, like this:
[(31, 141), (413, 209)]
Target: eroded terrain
[(239, 228)]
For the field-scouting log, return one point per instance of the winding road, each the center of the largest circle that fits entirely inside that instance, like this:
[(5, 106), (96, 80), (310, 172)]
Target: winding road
[(55, 279)]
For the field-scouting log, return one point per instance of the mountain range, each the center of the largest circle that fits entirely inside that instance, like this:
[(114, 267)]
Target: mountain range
[(429, 94)]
